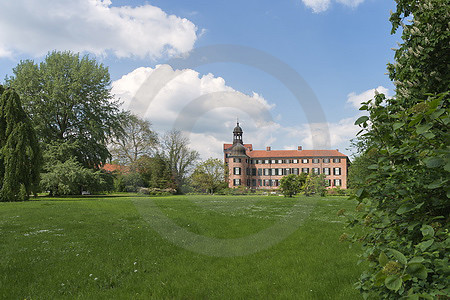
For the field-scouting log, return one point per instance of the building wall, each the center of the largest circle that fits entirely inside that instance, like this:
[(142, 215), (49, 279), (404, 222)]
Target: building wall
[(265, 179)]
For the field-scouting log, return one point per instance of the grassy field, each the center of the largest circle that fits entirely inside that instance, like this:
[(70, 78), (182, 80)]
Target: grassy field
[(118, 247)]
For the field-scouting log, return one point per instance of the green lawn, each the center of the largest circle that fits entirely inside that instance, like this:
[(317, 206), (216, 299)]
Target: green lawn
[(123, 247)]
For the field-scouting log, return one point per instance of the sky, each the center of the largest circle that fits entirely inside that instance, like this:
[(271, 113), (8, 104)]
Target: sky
[(293, 72)]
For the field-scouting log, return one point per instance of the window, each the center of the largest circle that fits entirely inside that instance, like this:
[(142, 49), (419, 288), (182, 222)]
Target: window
[(236, 160), (337, 182), (315, 160), (276, 182), (316, 170), (275, 172), (253, 172), (274, 161), (260, 172), (259, 182), (247, 172), (305, 161), (295, 161), (236, 182), (280, 172), (337, 171), (287, 171), (336, 160), (266, 161), (326, 160), (266, 172), (326, 171), (280, 161), (305, 170), (294, 171), (267, 182), (237, 171), (248, 182), (253, 182), (327, 182)]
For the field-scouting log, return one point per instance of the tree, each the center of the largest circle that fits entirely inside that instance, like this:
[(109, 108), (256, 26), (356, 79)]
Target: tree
[(404, 193), (154, 171), (292, 184), (315, 184), (20, 156), (64, 175), (69, 100), (208, 176), (179, 157), (137, 140)]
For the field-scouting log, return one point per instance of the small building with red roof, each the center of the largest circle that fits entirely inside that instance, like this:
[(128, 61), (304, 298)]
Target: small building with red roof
[(263, 169)]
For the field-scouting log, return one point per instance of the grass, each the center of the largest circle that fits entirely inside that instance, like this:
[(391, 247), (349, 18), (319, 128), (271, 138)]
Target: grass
[(111, 247)]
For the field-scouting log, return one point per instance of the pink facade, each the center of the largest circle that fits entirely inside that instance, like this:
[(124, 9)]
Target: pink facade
[(263, 169)]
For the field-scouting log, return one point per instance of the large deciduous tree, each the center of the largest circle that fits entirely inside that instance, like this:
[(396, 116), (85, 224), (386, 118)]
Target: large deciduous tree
[(209, 176), (180, 158), (137, 140), (20, 156), (68, 98), (404, 194)]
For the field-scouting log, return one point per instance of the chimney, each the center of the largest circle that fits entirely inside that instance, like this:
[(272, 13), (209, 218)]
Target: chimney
[(337, 150), (299, 148), (268, 148)]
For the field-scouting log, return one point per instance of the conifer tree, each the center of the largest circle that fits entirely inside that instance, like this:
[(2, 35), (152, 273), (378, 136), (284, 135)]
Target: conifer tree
[(20, 156)]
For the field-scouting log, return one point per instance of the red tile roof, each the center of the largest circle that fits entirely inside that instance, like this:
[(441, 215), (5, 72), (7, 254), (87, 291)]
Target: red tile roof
[(294, 153), (115, 168)]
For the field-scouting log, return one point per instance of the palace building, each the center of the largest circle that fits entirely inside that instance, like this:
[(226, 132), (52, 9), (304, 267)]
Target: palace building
[(263, 169)]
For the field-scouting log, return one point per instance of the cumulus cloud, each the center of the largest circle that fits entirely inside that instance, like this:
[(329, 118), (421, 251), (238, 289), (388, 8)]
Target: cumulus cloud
[(330, 135), (202, 105), (95, 26), (356, 99), (319, 6)]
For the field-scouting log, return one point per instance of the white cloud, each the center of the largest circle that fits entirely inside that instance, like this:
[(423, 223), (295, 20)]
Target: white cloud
[(203, 106), (319, 6), (356, 99), (36, 27)]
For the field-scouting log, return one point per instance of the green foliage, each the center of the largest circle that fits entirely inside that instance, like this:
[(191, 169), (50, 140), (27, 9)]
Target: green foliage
[(154, 171), (69, 99), (71, 178), (292, 184), (404, 194), (315, 184), (20, 156), (208, 176)]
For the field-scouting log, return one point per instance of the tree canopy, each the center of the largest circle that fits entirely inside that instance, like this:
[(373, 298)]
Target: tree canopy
[(292, 184), (209, 176), (68, 98)]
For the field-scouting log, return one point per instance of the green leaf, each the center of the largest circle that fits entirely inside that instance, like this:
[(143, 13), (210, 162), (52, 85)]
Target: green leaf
[(424, 245), (398, 256), (427, 231), (433, 162), (447, 167), (393, 282), (417, 270), (361, 120), (436, 184), (383, 259), (417, 259), (423, 128), (398, 125), (405, 208)]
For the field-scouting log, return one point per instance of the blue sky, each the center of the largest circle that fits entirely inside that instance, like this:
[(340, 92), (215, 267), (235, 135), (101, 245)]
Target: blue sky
[(339, 47)]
